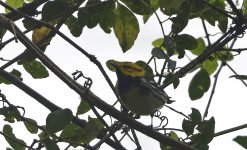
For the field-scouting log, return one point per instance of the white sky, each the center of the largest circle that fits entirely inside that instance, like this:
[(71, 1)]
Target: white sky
[(228, 105)]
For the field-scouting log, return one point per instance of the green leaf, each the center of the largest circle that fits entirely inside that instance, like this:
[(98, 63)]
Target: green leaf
[(244, 7), (188, 127), (173, 136), (74, 27), (80, 135), (138, 7), (54, 9), (169, 7), (179, 23), (58, 120), (210, 66), (50, 144), (206, 128), (212, 15), (200, 48), (13, 72), (92, 13), (223, 23), (185, 41), (14, 142), (36, 69), (31, 125), (241, 140), (82, 108), (172, 78), (126, 27), (158, 43), (159, 53), (199, 84), (195, 116), (107, 17), (224, 55), (14, 4), (240, 77)]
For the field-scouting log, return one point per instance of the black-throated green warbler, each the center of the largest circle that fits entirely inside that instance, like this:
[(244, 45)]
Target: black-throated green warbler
[(139, 92)]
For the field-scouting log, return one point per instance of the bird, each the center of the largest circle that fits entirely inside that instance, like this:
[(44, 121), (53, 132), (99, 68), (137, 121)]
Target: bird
[(139, 92)]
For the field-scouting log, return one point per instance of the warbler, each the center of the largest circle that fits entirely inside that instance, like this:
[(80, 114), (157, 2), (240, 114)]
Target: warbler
[(139, 92)]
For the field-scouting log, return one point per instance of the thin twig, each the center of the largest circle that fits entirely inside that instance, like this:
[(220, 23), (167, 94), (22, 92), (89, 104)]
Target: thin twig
[(213, 90), (178, 112), (230, 130), (235, 73), (136, 139)]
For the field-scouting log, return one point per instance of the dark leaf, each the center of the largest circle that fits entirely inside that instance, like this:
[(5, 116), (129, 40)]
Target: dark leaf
[(74, 27), (241, 140), (11, 139), (158, 53), (206, 128), (82, 108), (138, 7), (58, 120), (199, 84), (54, 9), (50, 144), (185, 41), (169, 7), (195, 116), (107, 18), (188, 127)]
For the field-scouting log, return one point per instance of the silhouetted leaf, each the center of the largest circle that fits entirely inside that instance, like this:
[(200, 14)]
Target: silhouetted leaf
[(58, 120), (11, 139), (188, 127), (54, 9), (185, 41), (74, 27), (195, 116), (206, 128), (138, 7), (241, 140), (199, 84), (169, 7), (158, 53)]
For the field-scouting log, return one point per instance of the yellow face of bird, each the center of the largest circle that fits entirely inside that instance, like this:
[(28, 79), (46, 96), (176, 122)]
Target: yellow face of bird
[(130, 69)]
